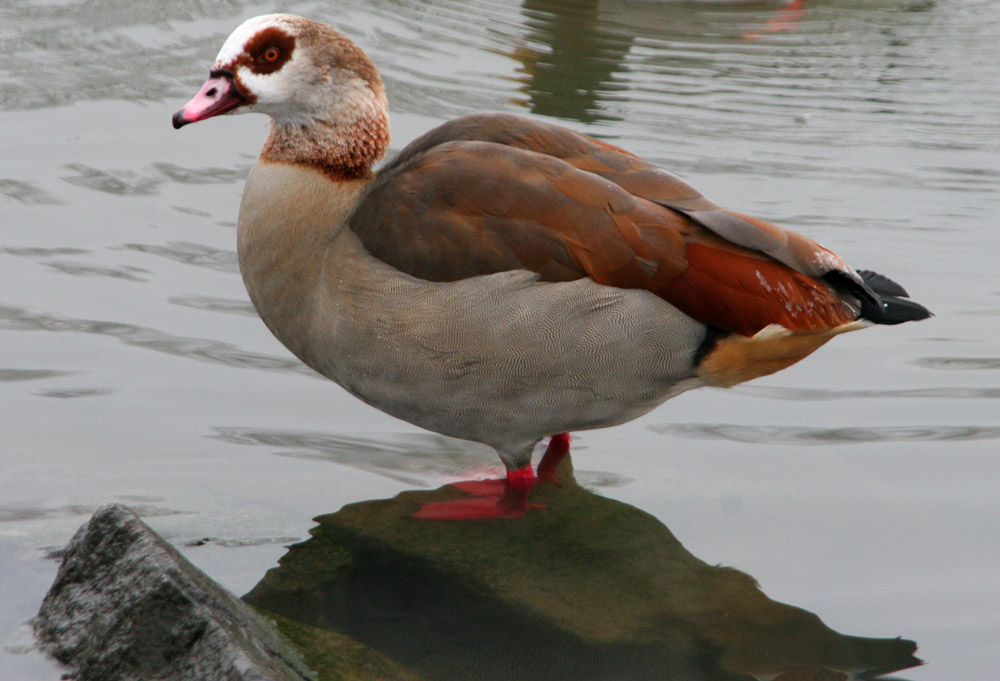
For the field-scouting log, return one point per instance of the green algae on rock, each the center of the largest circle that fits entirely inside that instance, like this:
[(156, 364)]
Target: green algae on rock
[(588, 588)]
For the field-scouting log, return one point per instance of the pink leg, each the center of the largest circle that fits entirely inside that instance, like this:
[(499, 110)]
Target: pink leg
[(554, 454), (507, 498), (514, 500), (494, 501)]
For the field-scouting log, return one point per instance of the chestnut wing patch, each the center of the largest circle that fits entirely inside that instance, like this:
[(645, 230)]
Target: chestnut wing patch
[(452, 206), (463, 209), (641, 179)]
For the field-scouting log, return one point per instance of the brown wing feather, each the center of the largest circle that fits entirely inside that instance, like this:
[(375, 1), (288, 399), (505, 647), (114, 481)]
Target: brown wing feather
[(462, 209), (728, 290), (641, 179), (486, 194)]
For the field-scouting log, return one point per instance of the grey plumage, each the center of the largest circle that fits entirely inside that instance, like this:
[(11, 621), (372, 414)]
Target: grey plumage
[(502, 359)]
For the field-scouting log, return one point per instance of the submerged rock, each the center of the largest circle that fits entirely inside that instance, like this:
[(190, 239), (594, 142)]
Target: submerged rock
[(127, 606), (587, 589)]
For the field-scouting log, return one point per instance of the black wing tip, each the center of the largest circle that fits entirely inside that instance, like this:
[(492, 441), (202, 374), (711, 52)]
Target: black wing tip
[(882, 284), (896, 310), (893, 303), (882, 300)]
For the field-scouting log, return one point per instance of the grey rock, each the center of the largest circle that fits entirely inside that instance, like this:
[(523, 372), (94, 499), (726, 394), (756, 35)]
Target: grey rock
[(126, 606)]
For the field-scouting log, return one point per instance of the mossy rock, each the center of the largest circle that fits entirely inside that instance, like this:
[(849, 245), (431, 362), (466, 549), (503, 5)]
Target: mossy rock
[(587, 588)]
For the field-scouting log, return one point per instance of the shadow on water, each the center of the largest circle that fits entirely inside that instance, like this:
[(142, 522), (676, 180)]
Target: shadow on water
[(410, 458), (588, 588), (406, 458)]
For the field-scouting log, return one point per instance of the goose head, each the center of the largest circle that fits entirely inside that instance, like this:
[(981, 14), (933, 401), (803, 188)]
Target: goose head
[(322, 92)]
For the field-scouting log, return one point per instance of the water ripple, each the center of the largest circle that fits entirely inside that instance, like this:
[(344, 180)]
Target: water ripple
[(38, 252), (119, 183), (202, 176), (144, 506), (190, 253), (66, 52), (819, 395), (87, 270), (13, 375), (201, 349), (796, 435), (212, 304), (961, 363), (26, 192), (69, 393), (127, 182), (243, 542)]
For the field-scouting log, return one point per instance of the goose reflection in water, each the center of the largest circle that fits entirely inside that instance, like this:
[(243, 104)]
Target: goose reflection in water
[(591, 589), (574, 76), (574, 62)]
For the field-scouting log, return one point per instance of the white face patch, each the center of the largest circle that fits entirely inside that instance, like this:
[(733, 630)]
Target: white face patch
[(237, 40), (304, 85), (277, 94)]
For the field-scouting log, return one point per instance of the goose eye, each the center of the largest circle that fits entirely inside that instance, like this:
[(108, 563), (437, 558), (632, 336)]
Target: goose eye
[(271, 54)]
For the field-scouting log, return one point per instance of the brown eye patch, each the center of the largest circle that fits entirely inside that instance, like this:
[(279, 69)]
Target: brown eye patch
[(269, 50)]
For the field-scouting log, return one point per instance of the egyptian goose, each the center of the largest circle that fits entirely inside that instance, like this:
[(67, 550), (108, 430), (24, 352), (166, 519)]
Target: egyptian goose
[(502, 279)]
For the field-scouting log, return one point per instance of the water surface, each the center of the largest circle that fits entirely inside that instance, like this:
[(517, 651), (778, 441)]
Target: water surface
[(861, 484)]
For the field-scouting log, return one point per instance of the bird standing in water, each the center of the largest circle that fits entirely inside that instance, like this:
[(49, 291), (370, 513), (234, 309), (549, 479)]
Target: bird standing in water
[(503, 280)]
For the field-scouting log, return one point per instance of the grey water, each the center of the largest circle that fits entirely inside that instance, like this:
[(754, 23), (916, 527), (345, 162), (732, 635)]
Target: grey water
[(862, 484)]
